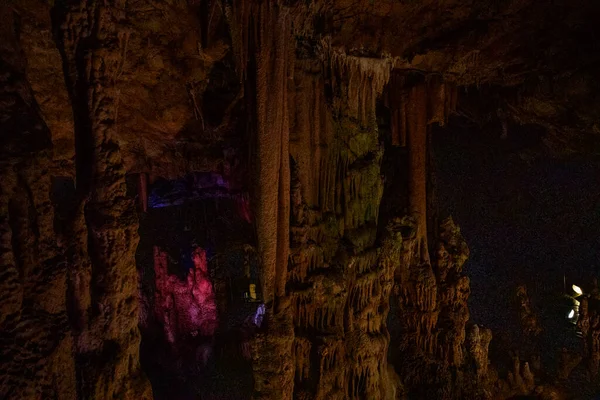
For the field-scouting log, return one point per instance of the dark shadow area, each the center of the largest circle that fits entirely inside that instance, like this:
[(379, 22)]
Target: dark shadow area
[(528, 221), (198, 309)]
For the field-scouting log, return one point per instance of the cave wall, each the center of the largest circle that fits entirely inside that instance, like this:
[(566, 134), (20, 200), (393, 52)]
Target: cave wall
[(36, 356)]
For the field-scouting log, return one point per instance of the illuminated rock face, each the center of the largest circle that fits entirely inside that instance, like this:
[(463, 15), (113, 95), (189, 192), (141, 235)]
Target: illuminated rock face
[(184, 308)]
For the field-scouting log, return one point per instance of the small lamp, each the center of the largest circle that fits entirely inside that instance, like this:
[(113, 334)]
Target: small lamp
[(576, 290)]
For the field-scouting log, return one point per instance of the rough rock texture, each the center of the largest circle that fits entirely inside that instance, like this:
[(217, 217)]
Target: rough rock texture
[(339, 275), (36, 360), (589, 323), (185, 307), (288, 102), (527, 317), (104, 276)]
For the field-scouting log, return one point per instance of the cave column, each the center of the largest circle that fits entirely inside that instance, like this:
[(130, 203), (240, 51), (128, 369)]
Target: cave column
[(432, 292), (265, 58), (415, 104), (272, 171), (92, 44)]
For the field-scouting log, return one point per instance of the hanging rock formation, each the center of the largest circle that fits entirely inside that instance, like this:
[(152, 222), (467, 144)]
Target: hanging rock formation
[(340, 272), (432, 292), (265, 67)]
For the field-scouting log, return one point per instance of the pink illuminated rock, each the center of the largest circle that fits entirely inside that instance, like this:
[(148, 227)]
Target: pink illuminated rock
[(185, 307)]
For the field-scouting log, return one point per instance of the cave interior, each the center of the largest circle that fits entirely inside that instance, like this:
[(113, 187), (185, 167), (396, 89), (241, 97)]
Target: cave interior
[(286, 199)]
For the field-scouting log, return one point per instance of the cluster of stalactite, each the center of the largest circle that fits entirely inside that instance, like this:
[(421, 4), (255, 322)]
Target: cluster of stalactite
[(328, 264), (431, 290), (340, 271), (340, 275), (337, 295)]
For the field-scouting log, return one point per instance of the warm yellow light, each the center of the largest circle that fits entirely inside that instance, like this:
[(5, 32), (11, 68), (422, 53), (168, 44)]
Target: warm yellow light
[(571, 314), (577, 289)]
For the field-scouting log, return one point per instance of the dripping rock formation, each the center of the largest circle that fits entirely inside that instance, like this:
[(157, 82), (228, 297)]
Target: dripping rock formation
[(236, 199)]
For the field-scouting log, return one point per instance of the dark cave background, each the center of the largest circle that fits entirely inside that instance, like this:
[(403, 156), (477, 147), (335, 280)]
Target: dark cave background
[(527, 219)]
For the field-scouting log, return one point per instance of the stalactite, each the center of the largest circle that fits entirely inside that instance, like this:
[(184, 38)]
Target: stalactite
[(261, 36), (363, 81), (310, 135), (331, 354), (273, 63), (143, 192), (438, 100)]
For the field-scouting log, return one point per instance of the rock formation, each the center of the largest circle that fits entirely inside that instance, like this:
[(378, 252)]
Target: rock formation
[(36, 342), (308, 123)]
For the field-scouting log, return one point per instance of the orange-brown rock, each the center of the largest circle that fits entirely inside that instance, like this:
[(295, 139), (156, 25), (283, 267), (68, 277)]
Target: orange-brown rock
[(36, 356)]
